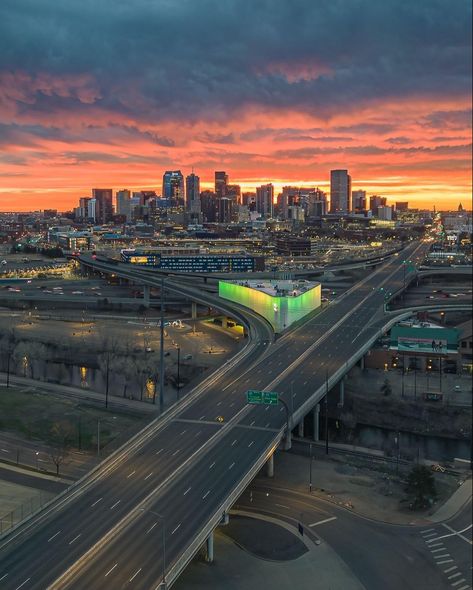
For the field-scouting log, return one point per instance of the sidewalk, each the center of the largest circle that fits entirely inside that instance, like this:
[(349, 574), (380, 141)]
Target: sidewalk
[(454, 504)]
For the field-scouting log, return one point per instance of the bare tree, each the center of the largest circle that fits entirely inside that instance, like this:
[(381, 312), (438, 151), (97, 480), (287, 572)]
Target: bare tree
[(7, 346), (61, 436), (109, 351)]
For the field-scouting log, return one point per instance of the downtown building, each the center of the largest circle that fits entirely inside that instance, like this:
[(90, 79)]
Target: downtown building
[(340, 191)]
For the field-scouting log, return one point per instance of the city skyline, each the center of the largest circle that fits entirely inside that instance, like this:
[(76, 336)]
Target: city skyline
[(108, 97)]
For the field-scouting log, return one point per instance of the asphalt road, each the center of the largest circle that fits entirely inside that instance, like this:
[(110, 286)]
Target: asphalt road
[(203, 459), (380, 555)]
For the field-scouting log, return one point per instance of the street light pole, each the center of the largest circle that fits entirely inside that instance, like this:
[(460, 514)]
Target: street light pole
[(310, 468), (161, 375), (178, 372), (326, 412), (163, 520)]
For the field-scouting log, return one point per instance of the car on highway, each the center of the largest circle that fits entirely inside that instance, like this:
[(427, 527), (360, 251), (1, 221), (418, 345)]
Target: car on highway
[(187, 357), (77, 292)]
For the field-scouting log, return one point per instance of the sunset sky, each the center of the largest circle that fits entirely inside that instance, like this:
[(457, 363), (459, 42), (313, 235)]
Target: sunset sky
[(111, 93)]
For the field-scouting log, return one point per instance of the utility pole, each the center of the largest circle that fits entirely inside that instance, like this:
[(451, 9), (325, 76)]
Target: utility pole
[(310, 468), (326, 412), (98, 438), (178, 375), (161, 376), (106, 379)]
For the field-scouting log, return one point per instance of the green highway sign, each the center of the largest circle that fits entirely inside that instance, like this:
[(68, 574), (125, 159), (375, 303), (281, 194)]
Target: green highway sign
[(269, 398)]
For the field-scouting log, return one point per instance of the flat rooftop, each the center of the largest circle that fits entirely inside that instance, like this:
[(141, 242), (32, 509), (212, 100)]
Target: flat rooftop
[(278, 287)]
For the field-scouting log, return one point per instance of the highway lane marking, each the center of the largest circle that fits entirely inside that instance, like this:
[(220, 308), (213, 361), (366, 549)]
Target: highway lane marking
[(134, 575), (450, 569), (198, 434), (282, 506), (3, 577), (437, 550), (231, 466), (110, 570), (116, 504), (176, 529), (132, 473), (202, 417), (219, 403), (252, 423), (251, 443), (458, 582), (232, 404), (205, 495), (441, 556), (323, 521), (151, 528), (213, 465), (187, 491), (175, 452), (427, 531), (436, 544), (233, 443), (445, 561), (55, 535), (75, 539), (183, 432), (430, 535), (5, 451), (454, 575), (267, 408), (148, 476), (466, 587), (453, 533), (96, 502), (160, 451), (21, 585)]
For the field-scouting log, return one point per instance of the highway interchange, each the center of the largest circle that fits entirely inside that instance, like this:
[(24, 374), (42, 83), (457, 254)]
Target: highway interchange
[(183, 473)]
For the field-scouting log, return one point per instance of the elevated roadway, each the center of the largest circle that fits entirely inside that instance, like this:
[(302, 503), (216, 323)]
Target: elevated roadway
[(174, 481)]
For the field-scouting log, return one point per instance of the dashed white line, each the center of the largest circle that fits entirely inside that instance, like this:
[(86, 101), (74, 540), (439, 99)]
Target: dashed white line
[(454, 576), (234, 443), (175, 452), (110, 570), (436, 545), (427, 531), (132, 473), (75, 539), (55, 535), (282, 506), (197, 434), (183, 432), (219, 403), (5, 451), (160, 451), (151, 528), (202, 417), (251, 443), (213, 465), (466, 587), (437, 550), (441, 556), (267, 408), (116, 504), (3, 577), (205, 495), (253, 423), (96, 502), (430, 535), (444, 561), (176, 529), (450, 569), (22, 584), (267, 425), (187, 491), (148, 476), (232, 466), (232, 404), (323, 521), (458, 582), (134, 575)]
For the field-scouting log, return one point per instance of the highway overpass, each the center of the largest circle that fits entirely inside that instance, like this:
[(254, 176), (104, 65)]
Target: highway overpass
[(176, 480)]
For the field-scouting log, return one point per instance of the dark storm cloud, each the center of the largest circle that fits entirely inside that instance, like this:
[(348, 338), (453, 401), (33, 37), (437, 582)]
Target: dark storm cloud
[(161, 59)]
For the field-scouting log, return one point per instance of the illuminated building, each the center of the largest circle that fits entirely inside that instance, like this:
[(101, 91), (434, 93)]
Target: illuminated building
[(281, 302)]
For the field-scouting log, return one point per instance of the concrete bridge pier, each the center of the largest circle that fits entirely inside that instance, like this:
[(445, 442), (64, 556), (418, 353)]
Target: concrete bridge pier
[(193, 310), (209, 557), (341, 389), (362, 362), (270, 466), (300, 429), (316, 422)]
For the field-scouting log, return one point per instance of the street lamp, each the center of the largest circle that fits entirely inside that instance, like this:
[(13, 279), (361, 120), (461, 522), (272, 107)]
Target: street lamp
[(163, 520), (37, 459), (178, 371), (311, 458)]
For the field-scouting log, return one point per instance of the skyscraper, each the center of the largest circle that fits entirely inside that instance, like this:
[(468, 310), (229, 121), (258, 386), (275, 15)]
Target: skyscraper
[(264, 200), (173, 187), (123, 203), (103, 204), (221, 181), (340, 191), (358, 201), (375, 202), (193, 193)]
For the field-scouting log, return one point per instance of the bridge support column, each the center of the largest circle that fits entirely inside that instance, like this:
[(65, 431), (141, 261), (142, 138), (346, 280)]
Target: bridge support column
[(193, 310), (146, 295), (270, 466), (300, 429), (362, 362), (209, 557), (316, 422), (341, 387)]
